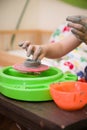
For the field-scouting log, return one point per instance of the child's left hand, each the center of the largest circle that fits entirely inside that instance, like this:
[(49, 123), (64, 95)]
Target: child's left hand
[(79, 25)]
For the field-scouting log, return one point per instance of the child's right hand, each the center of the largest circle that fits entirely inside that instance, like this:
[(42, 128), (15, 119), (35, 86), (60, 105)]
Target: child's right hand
[(38, 51)]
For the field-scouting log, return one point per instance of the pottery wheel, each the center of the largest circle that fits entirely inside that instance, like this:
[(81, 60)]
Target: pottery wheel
[(31, 66)]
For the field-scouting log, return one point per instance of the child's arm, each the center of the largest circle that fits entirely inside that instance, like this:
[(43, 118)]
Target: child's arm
[(63, 47), (53, 51)]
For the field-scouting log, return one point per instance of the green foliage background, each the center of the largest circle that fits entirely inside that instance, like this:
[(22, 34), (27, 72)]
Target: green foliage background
[(78, 3)]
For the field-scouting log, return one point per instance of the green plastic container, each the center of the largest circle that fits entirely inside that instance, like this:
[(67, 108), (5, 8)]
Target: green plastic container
[(30, 86)]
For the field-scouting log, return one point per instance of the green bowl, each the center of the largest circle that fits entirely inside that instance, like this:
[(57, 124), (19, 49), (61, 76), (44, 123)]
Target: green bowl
[(30, 86)]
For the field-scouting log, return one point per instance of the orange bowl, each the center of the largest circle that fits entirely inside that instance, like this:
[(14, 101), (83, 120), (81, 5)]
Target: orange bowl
[(69, 95)]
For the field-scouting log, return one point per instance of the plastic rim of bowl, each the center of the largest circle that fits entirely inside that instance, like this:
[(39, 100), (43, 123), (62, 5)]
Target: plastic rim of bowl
[(28, 86)]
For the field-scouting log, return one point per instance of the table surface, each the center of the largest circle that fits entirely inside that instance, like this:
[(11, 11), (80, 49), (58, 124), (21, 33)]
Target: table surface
[(42, 115)]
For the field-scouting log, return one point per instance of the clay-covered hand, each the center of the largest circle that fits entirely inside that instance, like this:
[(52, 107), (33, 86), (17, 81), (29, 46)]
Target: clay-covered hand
[(79, 26), (38, 51)]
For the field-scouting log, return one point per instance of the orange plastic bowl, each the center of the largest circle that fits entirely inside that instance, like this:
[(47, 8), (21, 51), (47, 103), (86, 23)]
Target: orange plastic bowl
[(69, 95)]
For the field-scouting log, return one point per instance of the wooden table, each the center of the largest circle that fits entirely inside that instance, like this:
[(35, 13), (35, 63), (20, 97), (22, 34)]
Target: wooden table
[(42, 115)]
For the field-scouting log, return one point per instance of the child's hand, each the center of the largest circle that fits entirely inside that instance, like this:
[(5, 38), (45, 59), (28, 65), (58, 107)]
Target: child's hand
[(79, 25), (38, 51)]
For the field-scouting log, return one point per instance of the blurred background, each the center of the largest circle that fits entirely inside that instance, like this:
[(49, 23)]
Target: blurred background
[(34, 20)]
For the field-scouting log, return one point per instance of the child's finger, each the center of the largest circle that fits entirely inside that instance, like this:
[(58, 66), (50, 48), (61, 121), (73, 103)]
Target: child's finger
[(30, 49), (78, 27), (41, 56), (78, 19), (26, 44), (78, 34), (74, 19), (20, 44), (37, 53)]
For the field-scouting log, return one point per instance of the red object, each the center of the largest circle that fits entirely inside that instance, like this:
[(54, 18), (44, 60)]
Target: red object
[(69, 95), (22, 68), (69, 64), (82, 80), (66, 29)]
